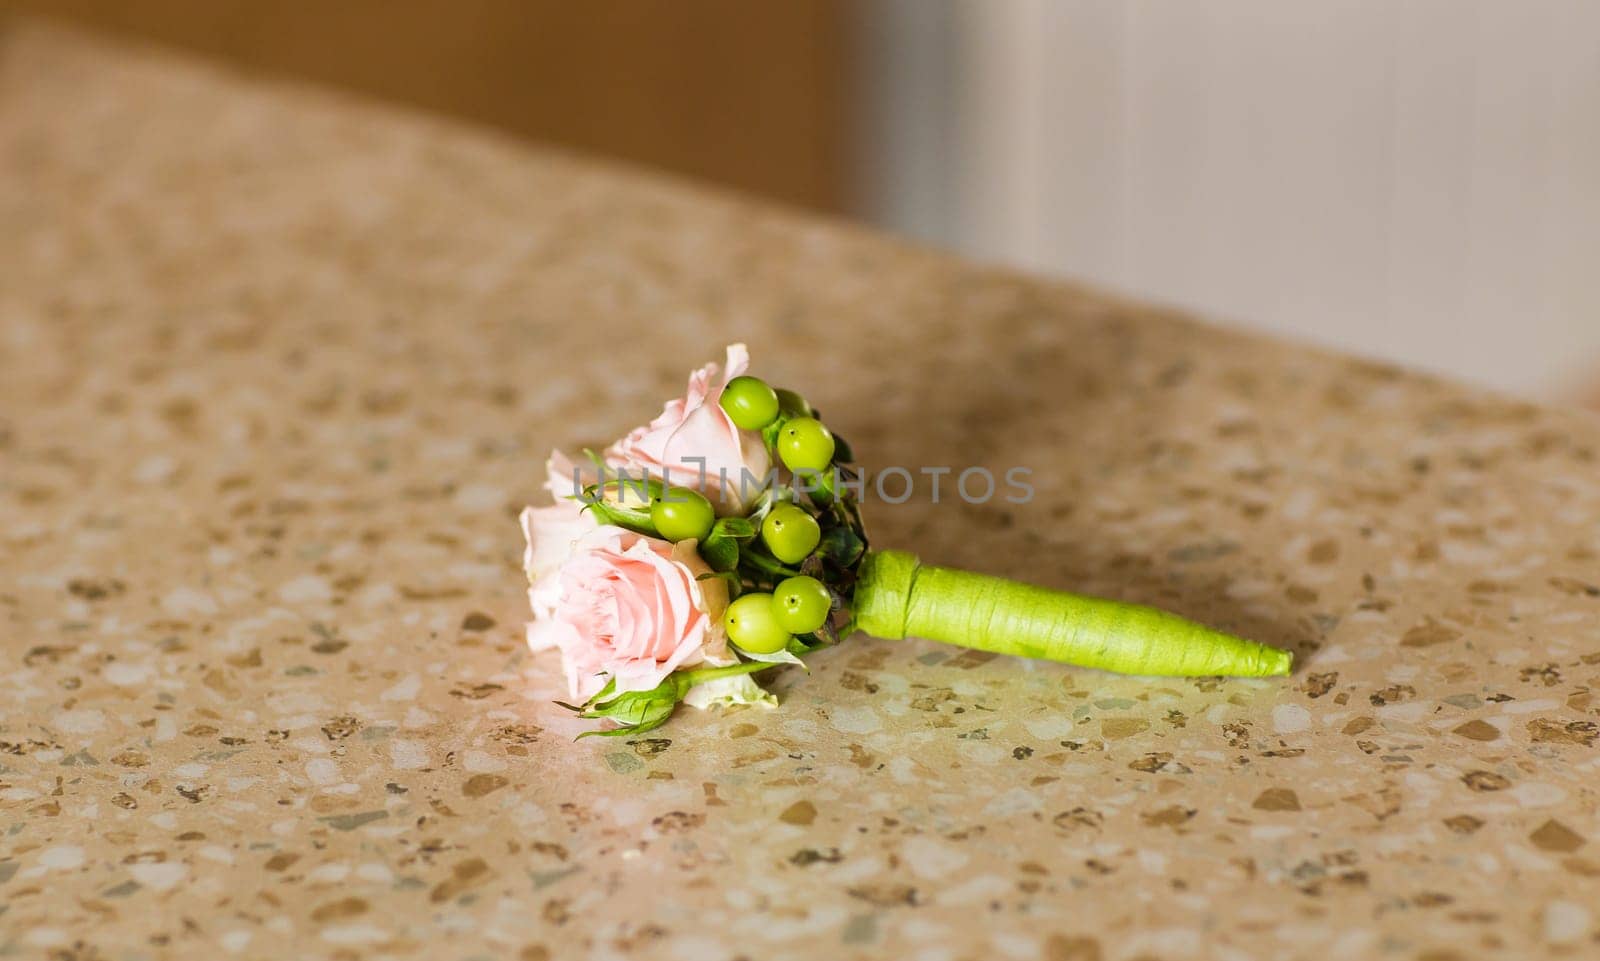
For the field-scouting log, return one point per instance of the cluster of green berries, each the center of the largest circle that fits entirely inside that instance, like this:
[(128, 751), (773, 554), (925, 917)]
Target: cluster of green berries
[(682, 513), (803, 442), (759, 623), (763, 623)]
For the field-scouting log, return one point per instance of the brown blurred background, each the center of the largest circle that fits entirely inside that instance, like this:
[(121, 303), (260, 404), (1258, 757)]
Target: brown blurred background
[(750, 94), (1418, 182)]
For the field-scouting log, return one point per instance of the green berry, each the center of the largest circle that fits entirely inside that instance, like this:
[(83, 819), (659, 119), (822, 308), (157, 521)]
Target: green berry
[(802, 604), (682, 514), (805, 444), (790, 533), (793, 404), (752, 624), (750, 403)]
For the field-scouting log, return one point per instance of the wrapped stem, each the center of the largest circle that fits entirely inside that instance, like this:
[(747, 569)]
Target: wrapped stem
[(897, 596)]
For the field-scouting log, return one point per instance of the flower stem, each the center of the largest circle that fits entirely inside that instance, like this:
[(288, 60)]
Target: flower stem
[(704, 674), (765, 565), (897, 596)]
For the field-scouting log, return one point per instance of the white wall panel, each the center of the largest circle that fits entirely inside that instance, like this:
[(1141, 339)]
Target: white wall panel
[(1416, 180)]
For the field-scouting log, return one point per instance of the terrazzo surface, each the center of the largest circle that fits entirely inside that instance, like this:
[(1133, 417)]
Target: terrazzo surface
[(277, 370)]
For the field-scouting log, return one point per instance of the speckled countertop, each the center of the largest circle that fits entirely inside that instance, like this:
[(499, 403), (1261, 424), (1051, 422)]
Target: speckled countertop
[(276, 371)]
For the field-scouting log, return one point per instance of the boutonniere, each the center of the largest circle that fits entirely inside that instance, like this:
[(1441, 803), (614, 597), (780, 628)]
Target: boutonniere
[(726, 537)]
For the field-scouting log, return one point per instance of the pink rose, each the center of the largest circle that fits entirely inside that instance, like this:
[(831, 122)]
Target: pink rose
[(695, 428), (551, 532), (625, 607)]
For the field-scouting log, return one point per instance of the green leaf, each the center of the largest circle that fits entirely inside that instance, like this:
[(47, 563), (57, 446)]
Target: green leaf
[(720, 549), (625, 731), (793, 404), (802, 644), (602, 694), (722, 553), (841, 545), (769, 435), (842, 454), (736, 527), (629, 489), (816, 486), (632, 518), (634, 707), (637, 711)]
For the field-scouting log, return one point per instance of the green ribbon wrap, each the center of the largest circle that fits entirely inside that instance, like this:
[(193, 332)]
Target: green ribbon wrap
[(897, 596)]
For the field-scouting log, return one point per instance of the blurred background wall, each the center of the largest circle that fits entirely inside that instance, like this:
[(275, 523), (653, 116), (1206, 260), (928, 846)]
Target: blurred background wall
[(752, 95), (1417, 180)]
